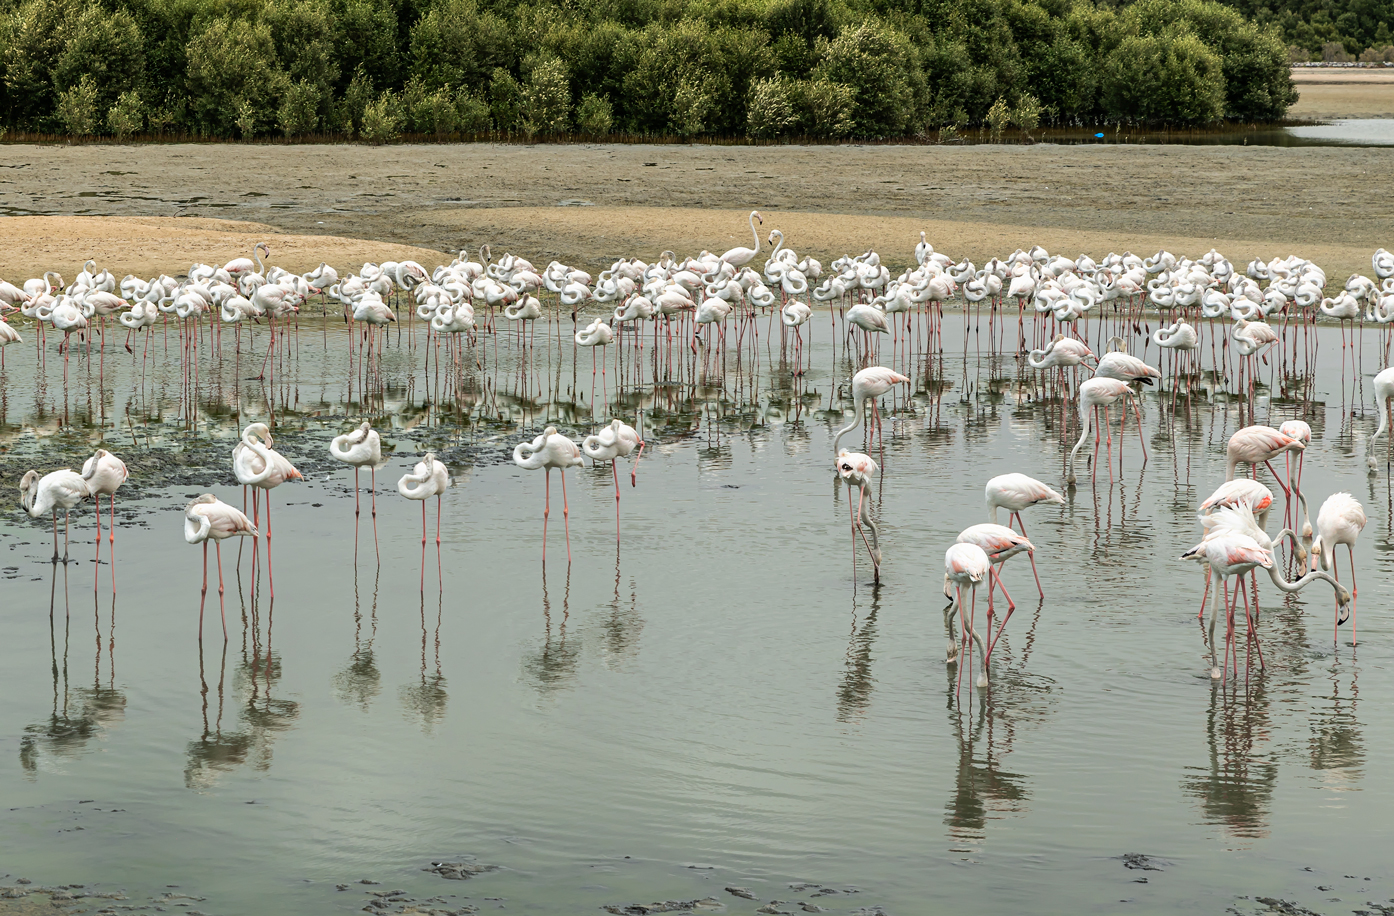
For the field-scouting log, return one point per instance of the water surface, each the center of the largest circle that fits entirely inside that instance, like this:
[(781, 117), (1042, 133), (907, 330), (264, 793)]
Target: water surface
[(721, 700)]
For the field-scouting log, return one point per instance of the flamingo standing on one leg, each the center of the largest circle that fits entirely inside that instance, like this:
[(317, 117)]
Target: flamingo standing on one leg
[(857, 470), (547, 451), (429, 478), (361, 448), (261, 467), (618, 440), (210, 518), (868, 384), (104, 474)]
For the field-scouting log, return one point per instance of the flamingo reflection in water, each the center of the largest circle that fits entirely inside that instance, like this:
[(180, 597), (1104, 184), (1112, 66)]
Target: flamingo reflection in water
[(78, 714)]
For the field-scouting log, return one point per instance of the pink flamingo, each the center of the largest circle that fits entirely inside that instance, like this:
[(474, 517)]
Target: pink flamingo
[(104, 474), (210, 518), (547, 451)]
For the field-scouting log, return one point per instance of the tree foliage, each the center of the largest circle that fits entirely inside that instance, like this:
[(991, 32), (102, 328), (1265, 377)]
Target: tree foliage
[(374, 69)]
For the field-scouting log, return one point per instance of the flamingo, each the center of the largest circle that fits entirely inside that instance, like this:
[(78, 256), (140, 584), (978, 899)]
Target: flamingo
[(1000, 543), (1093, 394), (8, 335), (256, 464), (1177, 336), (429, 478), (739, 257), (547, 451), (857, 470), (1061, 352), (1255, 445), (868, 384), (618, 440), (104, 473), (205, 518), (361, 447), (239, 266), (1015, 492), (1384, 390), (1229, 554), (1302, 432), (1340, 521), (966, 565), (56, 490)]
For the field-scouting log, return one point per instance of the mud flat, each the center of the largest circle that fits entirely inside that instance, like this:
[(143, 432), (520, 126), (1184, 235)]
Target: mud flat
[(1340, 92), (589, 203)]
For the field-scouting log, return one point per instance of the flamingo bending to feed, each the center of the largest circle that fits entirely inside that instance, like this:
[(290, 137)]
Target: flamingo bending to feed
[(1062, 352), (429, 478), (857, 470), (1000, 543), (1384, 390), (618, 440), (1093, 394), (209, 518), (1340, 521), (868, 384), (547, 451), (104, 473), (965, 565), (56, 490)]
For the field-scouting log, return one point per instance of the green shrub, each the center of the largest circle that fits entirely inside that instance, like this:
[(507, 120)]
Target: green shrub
[(77, 108), (472, 113), (1163, 79), (998, 116), (382, 119), (126, 116), (505, 100), (824, 107), (298, 113), (1027, 113), (348, 113), (432, 112), (872, 61), (771, 109), (594, 115), (232, 79), (547, 99)]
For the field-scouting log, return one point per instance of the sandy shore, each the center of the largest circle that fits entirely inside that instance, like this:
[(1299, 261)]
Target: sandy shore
[(587, 204), (1340, 92)]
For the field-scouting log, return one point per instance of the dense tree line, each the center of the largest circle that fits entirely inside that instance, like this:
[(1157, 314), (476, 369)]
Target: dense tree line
[(375, 69), (1323, 29)]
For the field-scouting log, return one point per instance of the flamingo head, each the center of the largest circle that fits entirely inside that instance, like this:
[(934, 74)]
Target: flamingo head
[(27, 485)]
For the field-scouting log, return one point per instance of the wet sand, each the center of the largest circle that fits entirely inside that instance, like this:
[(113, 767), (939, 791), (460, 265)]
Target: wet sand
[(588, 203)]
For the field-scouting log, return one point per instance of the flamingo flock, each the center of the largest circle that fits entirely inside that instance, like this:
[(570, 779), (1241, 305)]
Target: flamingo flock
[(693, 303)]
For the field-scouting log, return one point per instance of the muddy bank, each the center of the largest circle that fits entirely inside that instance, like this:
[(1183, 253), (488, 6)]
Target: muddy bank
[(447, 197)]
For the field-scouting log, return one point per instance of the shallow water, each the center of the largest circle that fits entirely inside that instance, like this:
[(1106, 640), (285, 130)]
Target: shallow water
[(721, 701)]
